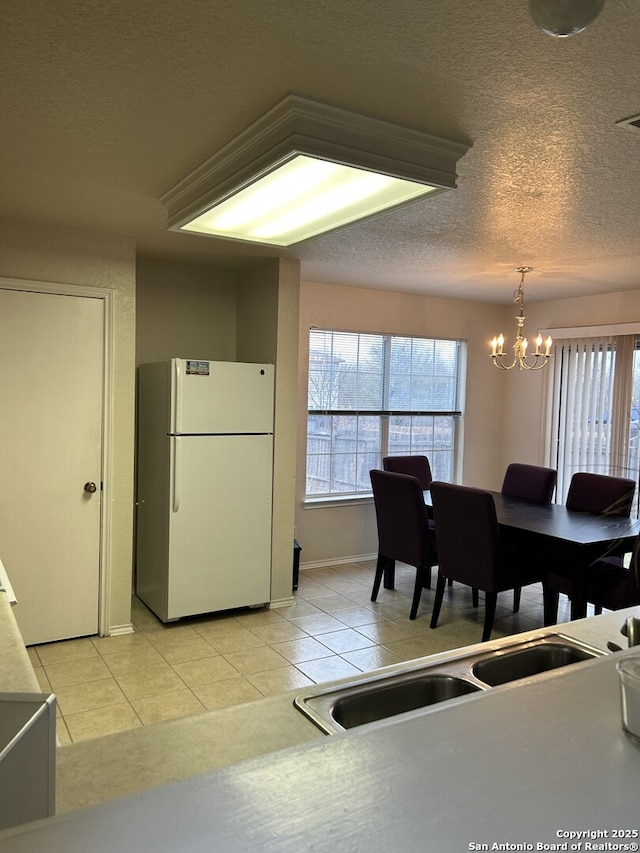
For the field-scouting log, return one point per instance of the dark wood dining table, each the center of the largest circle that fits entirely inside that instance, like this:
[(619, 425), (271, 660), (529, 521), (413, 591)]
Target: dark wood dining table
[(567, 542)]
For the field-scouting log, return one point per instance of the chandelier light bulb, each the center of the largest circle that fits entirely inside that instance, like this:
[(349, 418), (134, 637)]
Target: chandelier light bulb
[(564, 18)]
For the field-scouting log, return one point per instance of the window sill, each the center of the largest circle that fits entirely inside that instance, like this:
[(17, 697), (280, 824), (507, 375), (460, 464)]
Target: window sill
[(336, 500)]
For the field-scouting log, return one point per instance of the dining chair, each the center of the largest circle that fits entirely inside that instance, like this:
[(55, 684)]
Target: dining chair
[(470, 550), (416, 466), (403, 532), (615, 589), (532, 483), (599, 494), (529, 482)]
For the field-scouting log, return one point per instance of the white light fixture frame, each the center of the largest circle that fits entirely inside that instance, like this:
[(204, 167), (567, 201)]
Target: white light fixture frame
[(300, 126)]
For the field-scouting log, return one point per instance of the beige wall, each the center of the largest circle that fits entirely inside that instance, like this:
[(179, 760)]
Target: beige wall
[(184, 311), (73, 256), (332, 533), (268, 308)]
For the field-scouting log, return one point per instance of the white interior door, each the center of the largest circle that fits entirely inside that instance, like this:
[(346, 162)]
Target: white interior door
[(51, 400)]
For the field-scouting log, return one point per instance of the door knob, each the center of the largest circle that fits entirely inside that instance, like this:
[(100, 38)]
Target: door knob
[(90, 487)]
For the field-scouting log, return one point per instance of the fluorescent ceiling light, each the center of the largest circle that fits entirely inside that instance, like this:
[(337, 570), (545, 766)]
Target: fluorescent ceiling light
[(305, 169), (303, 198)]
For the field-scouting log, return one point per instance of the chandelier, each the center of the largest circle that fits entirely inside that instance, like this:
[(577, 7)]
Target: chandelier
[(532, 361)]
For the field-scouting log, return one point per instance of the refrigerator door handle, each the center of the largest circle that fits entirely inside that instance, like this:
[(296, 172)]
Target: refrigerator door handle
[(177, 442), (177, 396)]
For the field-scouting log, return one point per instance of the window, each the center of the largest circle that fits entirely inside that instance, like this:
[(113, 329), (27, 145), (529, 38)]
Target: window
[(594, 404), (378, 395)]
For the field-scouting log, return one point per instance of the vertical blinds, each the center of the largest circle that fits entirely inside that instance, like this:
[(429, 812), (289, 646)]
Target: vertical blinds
[(590, 389)]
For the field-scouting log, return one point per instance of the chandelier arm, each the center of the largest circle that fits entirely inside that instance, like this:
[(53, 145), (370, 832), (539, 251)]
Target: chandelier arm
[(497, 360), (521, 361)]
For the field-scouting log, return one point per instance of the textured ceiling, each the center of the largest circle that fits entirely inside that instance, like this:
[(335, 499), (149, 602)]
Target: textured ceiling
[(106, 105)]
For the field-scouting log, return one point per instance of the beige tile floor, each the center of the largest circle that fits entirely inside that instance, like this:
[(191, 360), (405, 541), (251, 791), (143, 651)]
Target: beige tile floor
[(109, 684)]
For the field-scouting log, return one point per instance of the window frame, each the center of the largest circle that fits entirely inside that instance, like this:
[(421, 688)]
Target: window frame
[(385, 415)]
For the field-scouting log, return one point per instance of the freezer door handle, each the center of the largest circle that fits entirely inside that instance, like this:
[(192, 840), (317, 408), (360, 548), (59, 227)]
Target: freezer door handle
[(177, 399), (177, 442)]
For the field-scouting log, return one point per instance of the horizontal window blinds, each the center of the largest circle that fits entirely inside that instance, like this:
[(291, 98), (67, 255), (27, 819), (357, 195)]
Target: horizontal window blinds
[(358, 372)]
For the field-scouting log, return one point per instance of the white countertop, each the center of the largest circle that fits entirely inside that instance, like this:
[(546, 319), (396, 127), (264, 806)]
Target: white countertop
[(16, 671), (5, 585), (516, 764)]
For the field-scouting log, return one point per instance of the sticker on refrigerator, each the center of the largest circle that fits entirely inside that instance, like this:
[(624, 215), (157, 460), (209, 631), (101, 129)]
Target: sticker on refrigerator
[(197, 368)]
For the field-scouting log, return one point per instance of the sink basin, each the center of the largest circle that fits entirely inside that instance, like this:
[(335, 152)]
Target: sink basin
[(356, 704), (387, 699), (510, 666), (407, 687)]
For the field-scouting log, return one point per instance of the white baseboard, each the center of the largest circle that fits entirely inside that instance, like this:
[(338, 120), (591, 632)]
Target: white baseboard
[(117, 630), (281, 602), (338, 561)]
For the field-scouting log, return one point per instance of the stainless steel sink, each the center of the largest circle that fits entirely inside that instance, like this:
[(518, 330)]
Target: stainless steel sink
[(388, 698), (511, 666), (408, 687)]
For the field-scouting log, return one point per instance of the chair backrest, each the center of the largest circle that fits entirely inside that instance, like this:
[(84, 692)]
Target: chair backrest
[(401, 517), (600, 494), (416, 466), (616, 589), (531, 482), (467, 534)]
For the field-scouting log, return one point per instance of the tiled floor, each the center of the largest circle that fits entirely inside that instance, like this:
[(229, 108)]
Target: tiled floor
[(333, 630)]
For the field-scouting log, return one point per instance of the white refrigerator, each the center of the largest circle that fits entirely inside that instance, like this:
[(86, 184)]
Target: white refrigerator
[(204, 490)]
